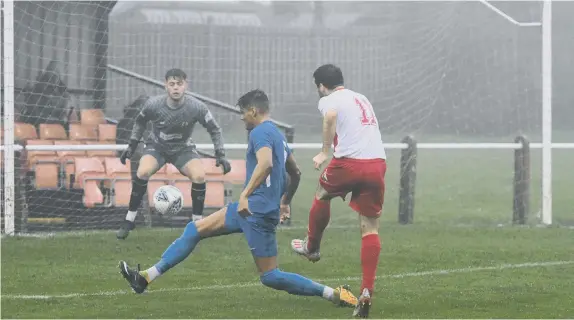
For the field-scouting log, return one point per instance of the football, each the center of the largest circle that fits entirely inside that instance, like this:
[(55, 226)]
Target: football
[(168, 200)]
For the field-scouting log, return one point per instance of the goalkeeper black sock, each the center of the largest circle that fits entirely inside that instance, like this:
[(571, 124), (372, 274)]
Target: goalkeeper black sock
[(139, 188), (197, 198)]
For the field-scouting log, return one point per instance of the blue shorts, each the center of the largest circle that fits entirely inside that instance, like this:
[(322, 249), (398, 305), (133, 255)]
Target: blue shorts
[(259, 230)]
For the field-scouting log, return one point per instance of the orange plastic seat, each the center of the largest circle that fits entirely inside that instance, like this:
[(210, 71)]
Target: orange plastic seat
[(209, 166), (67, 159), (92, 116), (237, 175), (52, 132), (214, 194), (24, 131), (122, 193), (83, 132), (43, 156), (107, 132), (99, 153), (115, 168), (88, 168), (44, 164), (119, 179), (46, 176), (69, 153), (89, 173)]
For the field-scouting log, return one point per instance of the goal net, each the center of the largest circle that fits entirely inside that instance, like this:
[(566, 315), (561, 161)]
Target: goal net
[(440, 71)]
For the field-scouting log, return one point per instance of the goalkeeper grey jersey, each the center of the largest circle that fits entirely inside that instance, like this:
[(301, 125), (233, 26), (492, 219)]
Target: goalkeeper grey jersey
[(172, 126)]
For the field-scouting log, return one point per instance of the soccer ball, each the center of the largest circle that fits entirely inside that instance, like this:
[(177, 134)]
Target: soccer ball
[(168, 200)]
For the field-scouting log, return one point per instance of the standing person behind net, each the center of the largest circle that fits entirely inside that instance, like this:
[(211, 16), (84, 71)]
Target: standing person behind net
[(173, 117), (256, 214), (358, 166)]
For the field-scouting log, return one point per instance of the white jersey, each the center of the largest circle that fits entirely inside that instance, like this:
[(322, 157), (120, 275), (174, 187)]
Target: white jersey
[(357, 134)]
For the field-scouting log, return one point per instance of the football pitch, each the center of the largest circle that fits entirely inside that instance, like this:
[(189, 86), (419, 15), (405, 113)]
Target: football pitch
[(462, 257)]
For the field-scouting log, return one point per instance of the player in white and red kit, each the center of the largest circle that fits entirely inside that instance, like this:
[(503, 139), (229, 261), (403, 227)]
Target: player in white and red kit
[(358, 167)]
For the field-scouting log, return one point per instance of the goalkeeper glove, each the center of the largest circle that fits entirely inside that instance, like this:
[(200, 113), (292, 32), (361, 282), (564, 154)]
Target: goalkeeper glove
[(129, 151), (221, 161)]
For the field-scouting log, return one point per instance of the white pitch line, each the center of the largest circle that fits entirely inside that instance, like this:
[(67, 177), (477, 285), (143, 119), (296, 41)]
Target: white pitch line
[(254, 284), (69, 234)]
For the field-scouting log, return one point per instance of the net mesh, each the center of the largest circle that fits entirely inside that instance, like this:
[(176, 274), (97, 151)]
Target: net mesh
[(443, 71)]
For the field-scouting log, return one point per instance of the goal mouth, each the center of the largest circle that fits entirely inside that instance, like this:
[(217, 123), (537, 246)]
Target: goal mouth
[(453, 75)]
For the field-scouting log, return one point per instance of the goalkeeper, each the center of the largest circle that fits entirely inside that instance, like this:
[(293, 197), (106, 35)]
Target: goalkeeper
[(173, 117)]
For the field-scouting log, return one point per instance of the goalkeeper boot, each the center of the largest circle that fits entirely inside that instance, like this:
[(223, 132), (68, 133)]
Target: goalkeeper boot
[(363, 305), (343, 297), (125, 229), (137, 281), (300, 247)]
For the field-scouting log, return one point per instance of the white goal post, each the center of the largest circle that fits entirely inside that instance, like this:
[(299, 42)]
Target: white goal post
[(8, 98), (546, 25)]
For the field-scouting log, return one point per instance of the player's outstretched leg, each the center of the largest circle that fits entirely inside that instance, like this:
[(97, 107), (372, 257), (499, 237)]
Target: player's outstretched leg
[(180, 249), (147, 167), (319, 217), (175, 253), (298, 285)]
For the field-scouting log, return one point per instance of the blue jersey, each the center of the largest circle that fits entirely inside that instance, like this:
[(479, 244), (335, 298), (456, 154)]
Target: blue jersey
[(267, 196)]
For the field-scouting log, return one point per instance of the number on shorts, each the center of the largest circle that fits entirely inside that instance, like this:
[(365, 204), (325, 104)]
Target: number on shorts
[(367, 113)]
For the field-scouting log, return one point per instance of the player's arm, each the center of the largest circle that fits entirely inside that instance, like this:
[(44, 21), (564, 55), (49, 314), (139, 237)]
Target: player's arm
[(263, 152), (208, 122), (329, 126), (138, 130), (140, 123), (214, 130), (262, 170), (294, 178)]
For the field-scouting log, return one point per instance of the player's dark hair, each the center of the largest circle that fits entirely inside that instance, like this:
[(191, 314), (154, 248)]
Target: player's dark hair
[(328, 75), (254, 98), (176, 74)]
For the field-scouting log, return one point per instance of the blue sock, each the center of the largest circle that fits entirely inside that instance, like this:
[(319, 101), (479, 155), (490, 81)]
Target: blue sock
[(179, 249), (292, 283)]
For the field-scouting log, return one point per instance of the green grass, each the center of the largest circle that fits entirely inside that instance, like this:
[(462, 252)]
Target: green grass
[(462, 220)]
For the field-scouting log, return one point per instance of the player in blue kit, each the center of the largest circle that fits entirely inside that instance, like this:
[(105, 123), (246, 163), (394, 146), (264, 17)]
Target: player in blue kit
[(256, 214)]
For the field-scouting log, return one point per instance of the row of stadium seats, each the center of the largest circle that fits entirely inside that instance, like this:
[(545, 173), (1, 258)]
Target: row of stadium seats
[(99, 173), (78, 132), (107, 182)]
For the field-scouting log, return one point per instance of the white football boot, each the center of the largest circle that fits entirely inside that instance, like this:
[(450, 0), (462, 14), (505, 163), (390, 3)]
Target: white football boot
[(300, 247)]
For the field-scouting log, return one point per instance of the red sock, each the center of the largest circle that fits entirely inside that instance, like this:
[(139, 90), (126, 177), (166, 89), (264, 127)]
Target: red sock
[(319, 217), (370, 250)]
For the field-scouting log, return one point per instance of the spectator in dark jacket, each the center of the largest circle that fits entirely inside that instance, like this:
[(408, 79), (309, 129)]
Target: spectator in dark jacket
[(48, 100)]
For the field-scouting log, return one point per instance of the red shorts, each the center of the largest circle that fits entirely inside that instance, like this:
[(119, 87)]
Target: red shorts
[(365, 179)]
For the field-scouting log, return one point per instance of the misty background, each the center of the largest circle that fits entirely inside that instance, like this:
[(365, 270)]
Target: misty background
[(456, 69)]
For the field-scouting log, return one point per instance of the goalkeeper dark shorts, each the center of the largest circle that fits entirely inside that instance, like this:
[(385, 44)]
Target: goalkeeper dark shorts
[(179, 158)]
